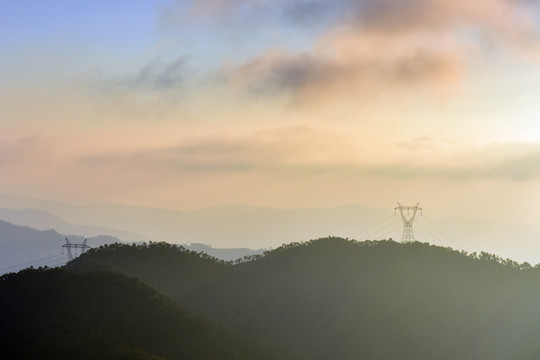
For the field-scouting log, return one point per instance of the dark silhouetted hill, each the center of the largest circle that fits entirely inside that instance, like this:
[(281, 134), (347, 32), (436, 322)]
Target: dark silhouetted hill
[(337, 299), (59, 314)]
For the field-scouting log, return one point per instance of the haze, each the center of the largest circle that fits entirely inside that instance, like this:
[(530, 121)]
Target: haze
[(287, 104)]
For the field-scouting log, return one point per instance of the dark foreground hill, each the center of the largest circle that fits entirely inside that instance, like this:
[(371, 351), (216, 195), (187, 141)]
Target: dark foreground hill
[(338, 299), (60, 314)]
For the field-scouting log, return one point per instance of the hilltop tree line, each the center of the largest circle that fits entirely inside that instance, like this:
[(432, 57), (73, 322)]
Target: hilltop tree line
[(326, 298)]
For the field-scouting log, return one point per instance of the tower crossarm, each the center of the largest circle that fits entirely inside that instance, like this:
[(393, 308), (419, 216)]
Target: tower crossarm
[(408, 208), (69, 245)]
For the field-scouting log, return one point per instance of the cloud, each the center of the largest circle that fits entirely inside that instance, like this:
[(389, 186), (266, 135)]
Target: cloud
[(376, 47), (307, 151), (382, 14), (216, 6), (209, 156), (310, 78), (403, 15), (154, 79), (421, 143), (258, 151), (515, 162), (315, 14), (153, 91), (30, 152), (157, 76)]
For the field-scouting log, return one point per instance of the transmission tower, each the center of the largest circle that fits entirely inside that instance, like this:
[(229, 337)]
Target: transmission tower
[(408, 233), (68, 245)]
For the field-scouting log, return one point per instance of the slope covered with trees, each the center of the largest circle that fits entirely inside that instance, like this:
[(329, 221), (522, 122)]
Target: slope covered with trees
[(340, 299), (60, 314)]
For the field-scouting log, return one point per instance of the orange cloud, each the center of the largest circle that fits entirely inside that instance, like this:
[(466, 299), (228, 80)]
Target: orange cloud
[(387, 47)]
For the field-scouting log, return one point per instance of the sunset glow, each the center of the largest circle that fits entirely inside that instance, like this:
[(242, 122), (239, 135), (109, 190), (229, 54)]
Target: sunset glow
[(297, 103)]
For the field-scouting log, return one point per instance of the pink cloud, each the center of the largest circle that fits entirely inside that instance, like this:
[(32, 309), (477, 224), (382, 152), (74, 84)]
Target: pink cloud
[(387, 46)]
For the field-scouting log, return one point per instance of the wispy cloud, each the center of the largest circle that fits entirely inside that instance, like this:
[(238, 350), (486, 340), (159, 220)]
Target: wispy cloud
[(514, 162), (288, 153), (259, 151), (382, 14), (205, 157), (157, 76), (311, 78), (378, 46), (154, 90), (30, 152)]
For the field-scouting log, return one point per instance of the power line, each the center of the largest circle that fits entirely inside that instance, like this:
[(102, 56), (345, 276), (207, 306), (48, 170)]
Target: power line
[(382, 229), (430, 238), (433, 236), (54, 263), (374, 226), (31, 262), (373, 233), (419, 233), (440, 232), (34, 262), (388, 233)]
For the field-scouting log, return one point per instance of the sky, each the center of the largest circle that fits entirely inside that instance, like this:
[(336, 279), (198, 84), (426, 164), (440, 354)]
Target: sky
[(281, 103)]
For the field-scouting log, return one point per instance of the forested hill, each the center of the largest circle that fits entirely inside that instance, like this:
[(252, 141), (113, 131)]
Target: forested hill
[(60, 314), (337, 299)]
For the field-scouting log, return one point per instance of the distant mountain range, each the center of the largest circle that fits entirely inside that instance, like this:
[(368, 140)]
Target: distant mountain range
[(244, 227), (42, 220), (22, 247), (223, 254)]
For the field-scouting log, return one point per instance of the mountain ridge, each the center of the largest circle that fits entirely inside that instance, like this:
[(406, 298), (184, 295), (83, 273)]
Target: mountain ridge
[(22, 246), (337, 298), (244, 226)]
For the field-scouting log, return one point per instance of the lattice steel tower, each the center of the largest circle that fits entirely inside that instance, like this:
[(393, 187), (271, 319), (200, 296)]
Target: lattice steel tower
[(408, 233), (68, 245)]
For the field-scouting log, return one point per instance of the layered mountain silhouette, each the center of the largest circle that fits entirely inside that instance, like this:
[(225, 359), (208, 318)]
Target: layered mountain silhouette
[(338, 299), (21, 246), (42, 220), (230, 254), (251, 227)]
